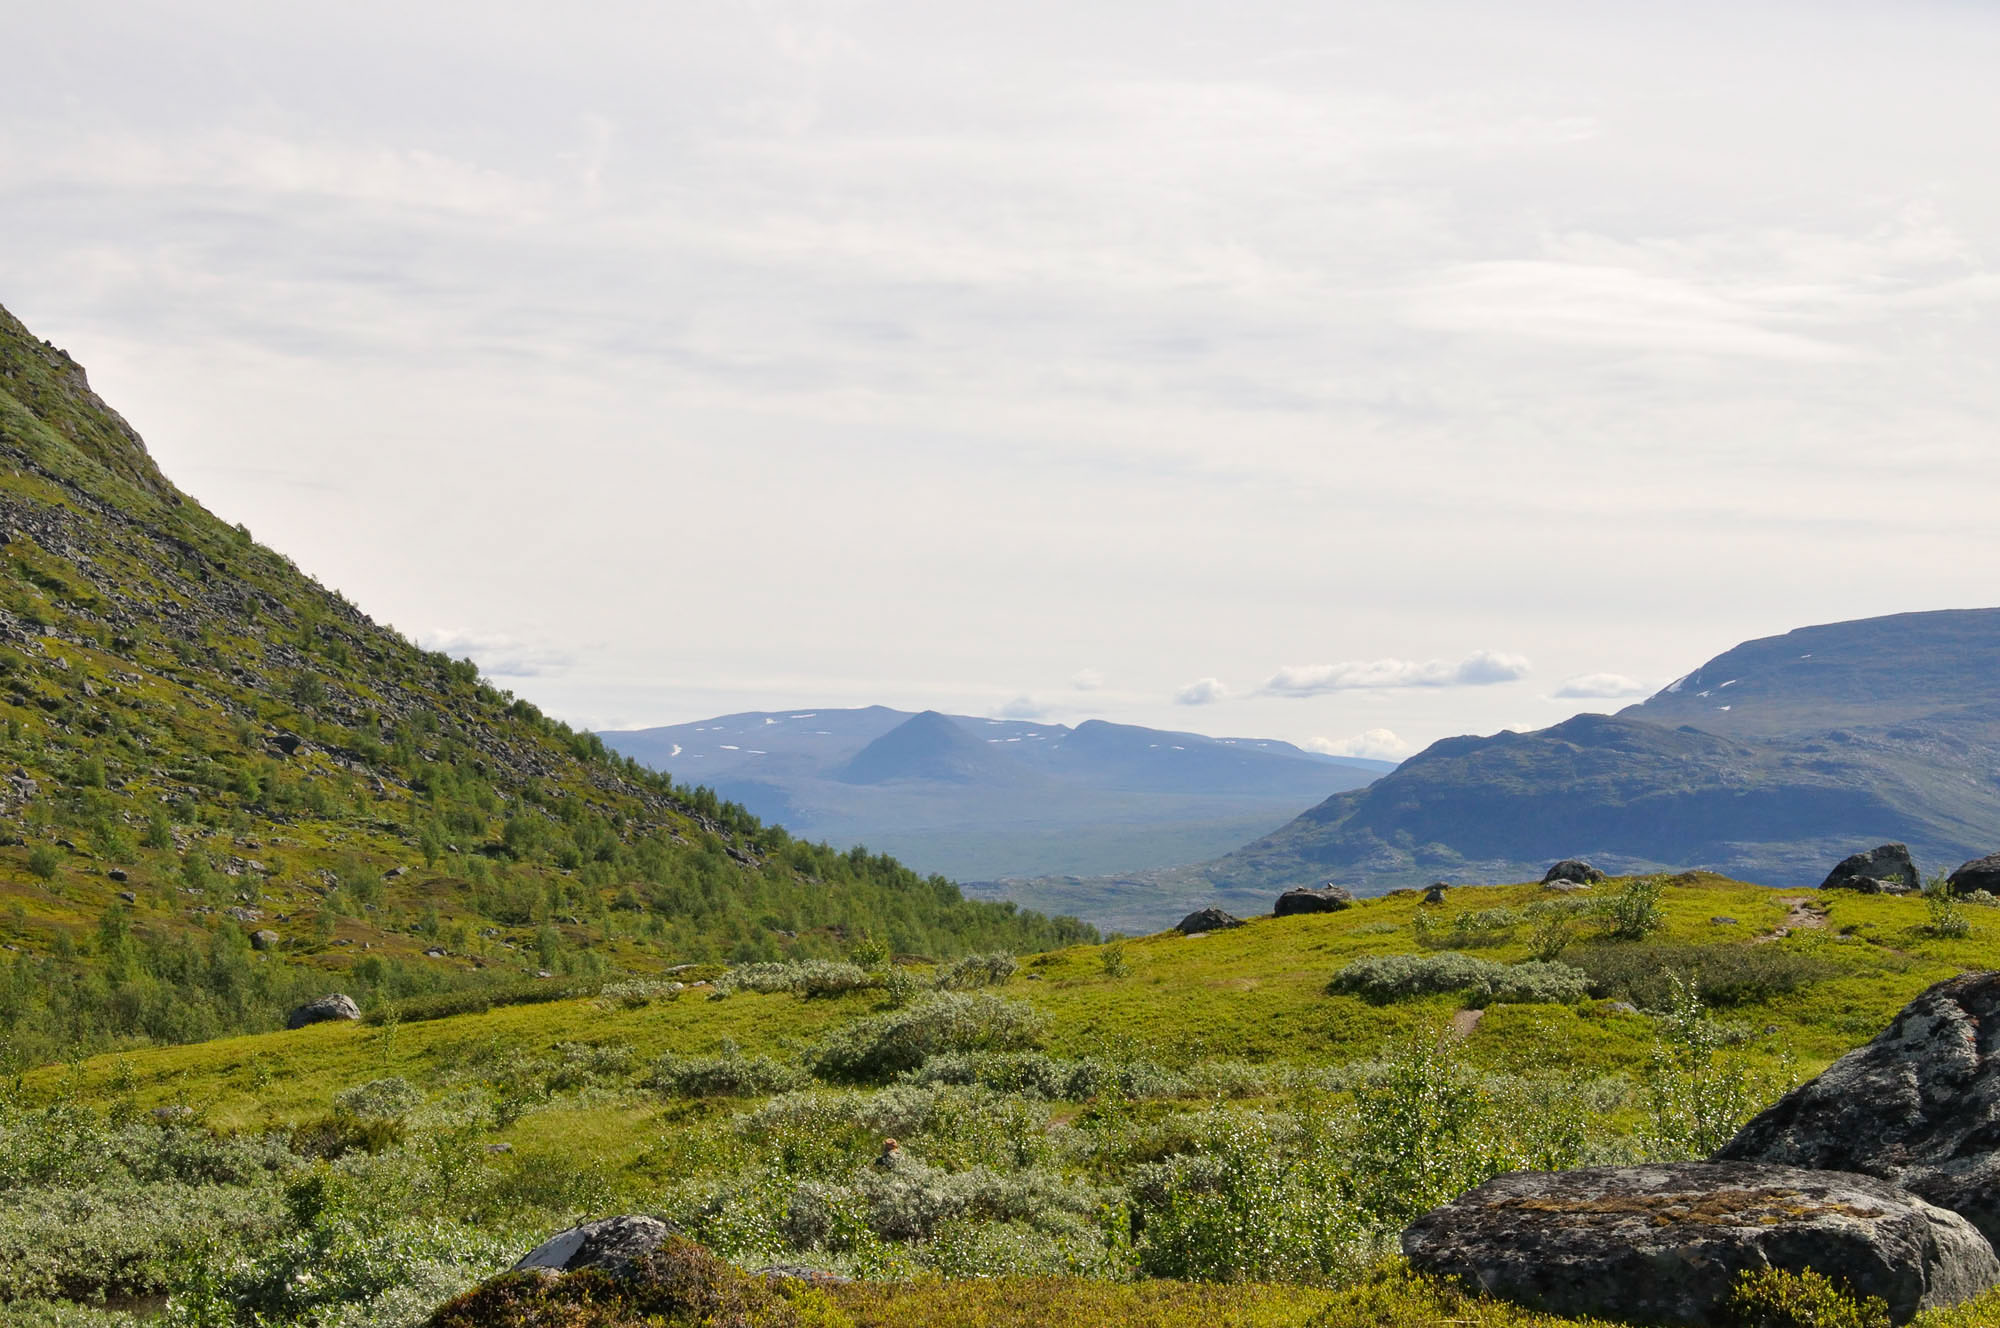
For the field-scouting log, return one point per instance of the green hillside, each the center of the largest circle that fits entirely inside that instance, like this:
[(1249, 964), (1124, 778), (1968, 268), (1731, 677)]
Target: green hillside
[(1093, 1137), (199, 743)]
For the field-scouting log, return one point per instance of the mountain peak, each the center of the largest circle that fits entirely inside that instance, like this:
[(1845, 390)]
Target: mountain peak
[(55, 392), (931, 746)]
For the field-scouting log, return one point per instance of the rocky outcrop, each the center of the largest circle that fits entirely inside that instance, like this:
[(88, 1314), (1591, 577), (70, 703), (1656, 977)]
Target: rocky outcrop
[(1328, 898), (1573, 869), (1883, 870), (1919, 1106), (1206, 919), (1663, 1244), (264, 939), (612, 1245), (337, 1005), (1435, 895), (1978, 874)]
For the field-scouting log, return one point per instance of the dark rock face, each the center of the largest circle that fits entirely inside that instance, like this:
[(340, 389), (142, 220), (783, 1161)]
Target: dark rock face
[(1573, 869), (1920, 1105), (1207, 919), (1329, 898), (1663, 1244), (1886, 869), (1979, 874), (1435, 895), (337, 1005), (612, 1244)]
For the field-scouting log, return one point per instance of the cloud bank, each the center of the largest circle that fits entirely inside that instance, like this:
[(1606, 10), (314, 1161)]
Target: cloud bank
[(1599, 686), (1482, 668), (1376, 744), (1205, 692)]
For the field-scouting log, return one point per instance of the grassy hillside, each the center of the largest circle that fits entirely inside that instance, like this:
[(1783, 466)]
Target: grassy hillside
[(1146, 1116), (199, 743)]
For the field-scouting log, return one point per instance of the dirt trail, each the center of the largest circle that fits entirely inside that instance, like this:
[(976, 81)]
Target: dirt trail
[(1464, 1022), (1800, 914)]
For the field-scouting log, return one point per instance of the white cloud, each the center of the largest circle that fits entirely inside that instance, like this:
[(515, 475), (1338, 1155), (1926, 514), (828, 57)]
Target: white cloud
[(1087, 680), (1597, 686), (1376, 744), (1479, 669), (1205, 692), (498, 655), (1022, 707)]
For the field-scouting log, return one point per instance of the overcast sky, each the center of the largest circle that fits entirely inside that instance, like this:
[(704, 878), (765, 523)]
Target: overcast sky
[(1357, 374)]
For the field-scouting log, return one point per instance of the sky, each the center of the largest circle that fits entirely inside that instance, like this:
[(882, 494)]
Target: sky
[(1355, 374)]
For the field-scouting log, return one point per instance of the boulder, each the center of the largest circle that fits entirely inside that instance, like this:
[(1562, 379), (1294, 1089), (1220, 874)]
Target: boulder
[(1573, 869), (1663, 1244), (264, 939), (337, 1005), (1207, 919), (1979, 874), (611, 1244), (1329, 898), (1920, 1105), (1883, 870), (1563, 885), (1435, 895)]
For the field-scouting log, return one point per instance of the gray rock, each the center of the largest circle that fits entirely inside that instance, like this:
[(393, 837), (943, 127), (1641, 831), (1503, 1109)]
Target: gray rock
[(1207, 919), (128, 897), (1920, 1105), (264, 939), (1722, 920), (337, 1005), (1978, 874), (1563, 885), (1573, 869), (611, 1244), (1329, 898), (1886, 869), (117, 874), (1435, 895), (1663, 1244)]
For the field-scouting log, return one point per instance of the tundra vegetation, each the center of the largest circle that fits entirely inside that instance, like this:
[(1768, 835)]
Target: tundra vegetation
[(1224, 1129)]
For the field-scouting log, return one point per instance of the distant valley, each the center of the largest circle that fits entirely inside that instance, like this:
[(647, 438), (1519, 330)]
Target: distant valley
[(981, 799)]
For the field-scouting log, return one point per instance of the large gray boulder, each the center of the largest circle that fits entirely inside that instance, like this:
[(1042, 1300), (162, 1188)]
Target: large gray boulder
[(1205, 920), (1663, 1244), (1573, 869), (337, 1005), (1920, 1105), (1884, 870), (1329, 898), (1979, 874), (611, 1244)]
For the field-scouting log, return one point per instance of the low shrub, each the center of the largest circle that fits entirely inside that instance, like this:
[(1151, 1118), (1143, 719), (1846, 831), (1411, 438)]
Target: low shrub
[(1634, 913), (730, 1074), (889, 1044), (804, 977), (1721, 975), (1779, 1298), (1397, 977), (976, 970), (478, 1000)]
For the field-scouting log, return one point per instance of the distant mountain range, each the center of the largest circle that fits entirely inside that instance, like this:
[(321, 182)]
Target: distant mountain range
[(1769, 763), (979, 799)]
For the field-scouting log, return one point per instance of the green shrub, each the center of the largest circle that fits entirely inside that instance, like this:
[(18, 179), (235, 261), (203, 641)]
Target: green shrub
[(44, 861), (1722, 975), (1947, 920), (806, 977), (1634, 913), (1780, 1298), (1397, 977), (730, 1074), (976, 970), (888, 1044), (378, 1099)]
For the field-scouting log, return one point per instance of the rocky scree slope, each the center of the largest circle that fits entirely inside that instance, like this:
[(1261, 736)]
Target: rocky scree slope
[(197, 740)]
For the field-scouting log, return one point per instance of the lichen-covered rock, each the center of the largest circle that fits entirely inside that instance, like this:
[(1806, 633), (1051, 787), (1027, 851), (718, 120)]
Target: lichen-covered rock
[(1328, 898), (1663, 1244), (1573, 869), (1207, 919), (337, 1005), (1885, 869), (1920, 1105), (1978, 874), (612, 1244)]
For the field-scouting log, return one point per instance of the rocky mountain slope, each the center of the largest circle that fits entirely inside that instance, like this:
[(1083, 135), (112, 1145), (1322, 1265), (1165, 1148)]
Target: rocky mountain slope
[(978, 798), (222, 781), (1770, 763)]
